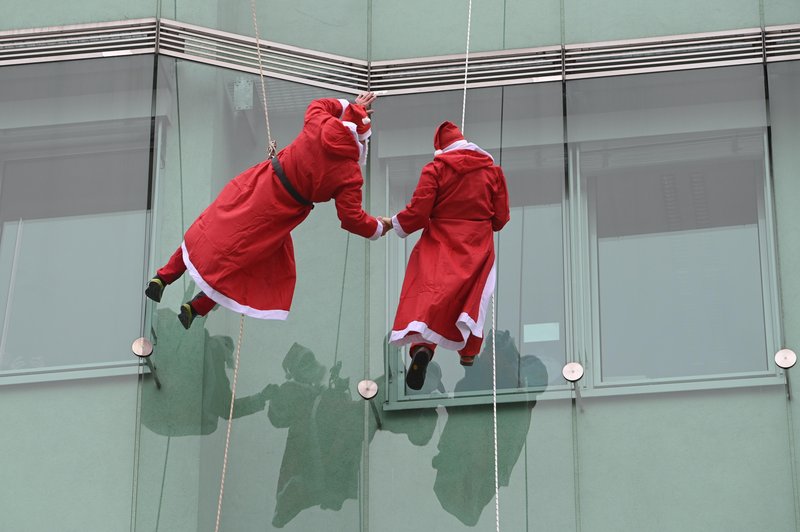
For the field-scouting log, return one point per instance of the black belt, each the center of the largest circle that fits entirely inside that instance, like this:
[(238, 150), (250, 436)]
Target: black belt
[(276, 165)]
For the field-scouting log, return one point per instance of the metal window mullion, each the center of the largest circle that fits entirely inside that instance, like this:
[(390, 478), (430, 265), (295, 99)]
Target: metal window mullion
[(769, 263)]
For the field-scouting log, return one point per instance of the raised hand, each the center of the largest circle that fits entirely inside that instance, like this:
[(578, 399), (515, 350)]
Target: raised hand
[(366, 99)]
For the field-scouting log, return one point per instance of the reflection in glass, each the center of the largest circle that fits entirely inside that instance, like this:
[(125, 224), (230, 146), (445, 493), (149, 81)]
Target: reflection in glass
[(74, 170), (522, 128), (674, 196), (465, 463)]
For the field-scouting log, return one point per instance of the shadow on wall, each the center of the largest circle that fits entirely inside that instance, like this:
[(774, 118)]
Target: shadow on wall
[(196, 391), (465, 464), (322, 457)]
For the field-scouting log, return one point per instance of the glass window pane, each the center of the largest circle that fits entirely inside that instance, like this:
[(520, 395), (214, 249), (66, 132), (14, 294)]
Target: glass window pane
[(530, 254), (674, 201), (74, 170), (522, 128)]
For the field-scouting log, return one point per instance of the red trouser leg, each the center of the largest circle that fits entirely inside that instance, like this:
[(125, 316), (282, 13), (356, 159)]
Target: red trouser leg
[(202, 304), (173, 269), (470, 350), (414, 347)]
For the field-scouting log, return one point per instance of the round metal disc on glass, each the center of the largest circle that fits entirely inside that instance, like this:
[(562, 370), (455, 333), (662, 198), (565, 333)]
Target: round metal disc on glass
[(142, 347), (785, 358), (367, 389), (572, 372)]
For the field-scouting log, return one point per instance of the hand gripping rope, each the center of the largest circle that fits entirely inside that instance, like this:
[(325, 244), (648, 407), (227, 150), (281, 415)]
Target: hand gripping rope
[(271, 149), (494, 304)]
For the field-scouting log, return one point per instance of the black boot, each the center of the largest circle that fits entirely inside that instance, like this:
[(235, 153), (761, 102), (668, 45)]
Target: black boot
[(415, 376), (155, 289), (187, 315)]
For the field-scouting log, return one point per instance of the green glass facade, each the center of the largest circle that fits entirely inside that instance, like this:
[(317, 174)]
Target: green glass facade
[(652, 238)]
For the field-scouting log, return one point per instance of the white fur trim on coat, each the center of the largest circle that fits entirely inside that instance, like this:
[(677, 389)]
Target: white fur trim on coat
[(345, 105), (378, 232), (418, 331), (398, 228), (463, 145), (226, 301)]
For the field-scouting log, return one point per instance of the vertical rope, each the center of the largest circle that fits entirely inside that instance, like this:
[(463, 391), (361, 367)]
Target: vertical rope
[(230, 424), (494, 324), (466, 66), (271, 145), (271, 149), (494, 415)]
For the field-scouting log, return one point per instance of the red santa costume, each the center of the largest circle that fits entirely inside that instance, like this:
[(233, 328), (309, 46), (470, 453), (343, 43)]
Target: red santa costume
[(460, 200), (239, 250)]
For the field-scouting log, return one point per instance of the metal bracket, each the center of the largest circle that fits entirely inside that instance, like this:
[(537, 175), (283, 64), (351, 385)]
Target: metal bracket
[(143, 348), (368, 390), (573, 372), (785, 359)]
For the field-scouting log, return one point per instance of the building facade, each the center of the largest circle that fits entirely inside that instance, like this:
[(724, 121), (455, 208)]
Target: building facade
[(651, 155)]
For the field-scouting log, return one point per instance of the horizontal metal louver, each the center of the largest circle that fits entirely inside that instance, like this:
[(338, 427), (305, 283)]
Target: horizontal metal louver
[(426, 74), (661, 54), (485, 69), (279, 60), (783, 43), (79, 41)]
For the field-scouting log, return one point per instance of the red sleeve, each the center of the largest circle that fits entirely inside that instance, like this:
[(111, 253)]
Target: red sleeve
[(501, 212), (348, 208), (325, 107), (417, 213)]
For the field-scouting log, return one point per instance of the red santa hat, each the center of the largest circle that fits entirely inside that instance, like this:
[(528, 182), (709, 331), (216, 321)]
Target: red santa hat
[(446, 134), (357, 114)]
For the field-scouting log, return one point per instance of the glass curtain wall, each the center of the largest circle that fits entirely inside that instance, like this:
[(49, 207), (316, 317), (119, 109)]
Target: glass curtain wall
[(74, 172), (641, 245), (296, 443), (670, 172)]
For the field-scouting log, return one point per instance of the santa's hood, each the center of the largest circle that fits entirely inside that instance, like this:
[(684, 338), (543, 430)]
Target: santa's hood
[(338, 139), (464, 156)]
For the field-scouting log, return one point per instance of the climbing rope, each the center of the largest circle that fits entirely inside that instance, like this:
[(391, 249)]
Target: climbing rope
[(271, 149), (494, 306), (230, 423), (272, 146)]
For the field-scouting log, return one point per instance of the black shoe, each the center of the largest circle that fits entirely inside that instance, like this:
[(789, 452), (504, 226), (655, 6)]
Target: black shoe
[(187, 315), (155, 289), (415, 377)]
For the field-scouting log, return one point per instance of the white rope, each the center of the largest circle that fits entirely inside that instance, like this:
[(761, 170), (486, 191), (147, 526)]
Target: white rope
[(271, 145), (494, 324), (494, 417), (230, 424), (271, 149), (466, 66)]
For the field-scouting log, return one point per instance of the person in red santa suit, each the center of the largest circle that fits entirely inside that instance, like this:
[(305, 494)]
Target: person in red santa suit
[(460, 200), (239, 250)]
